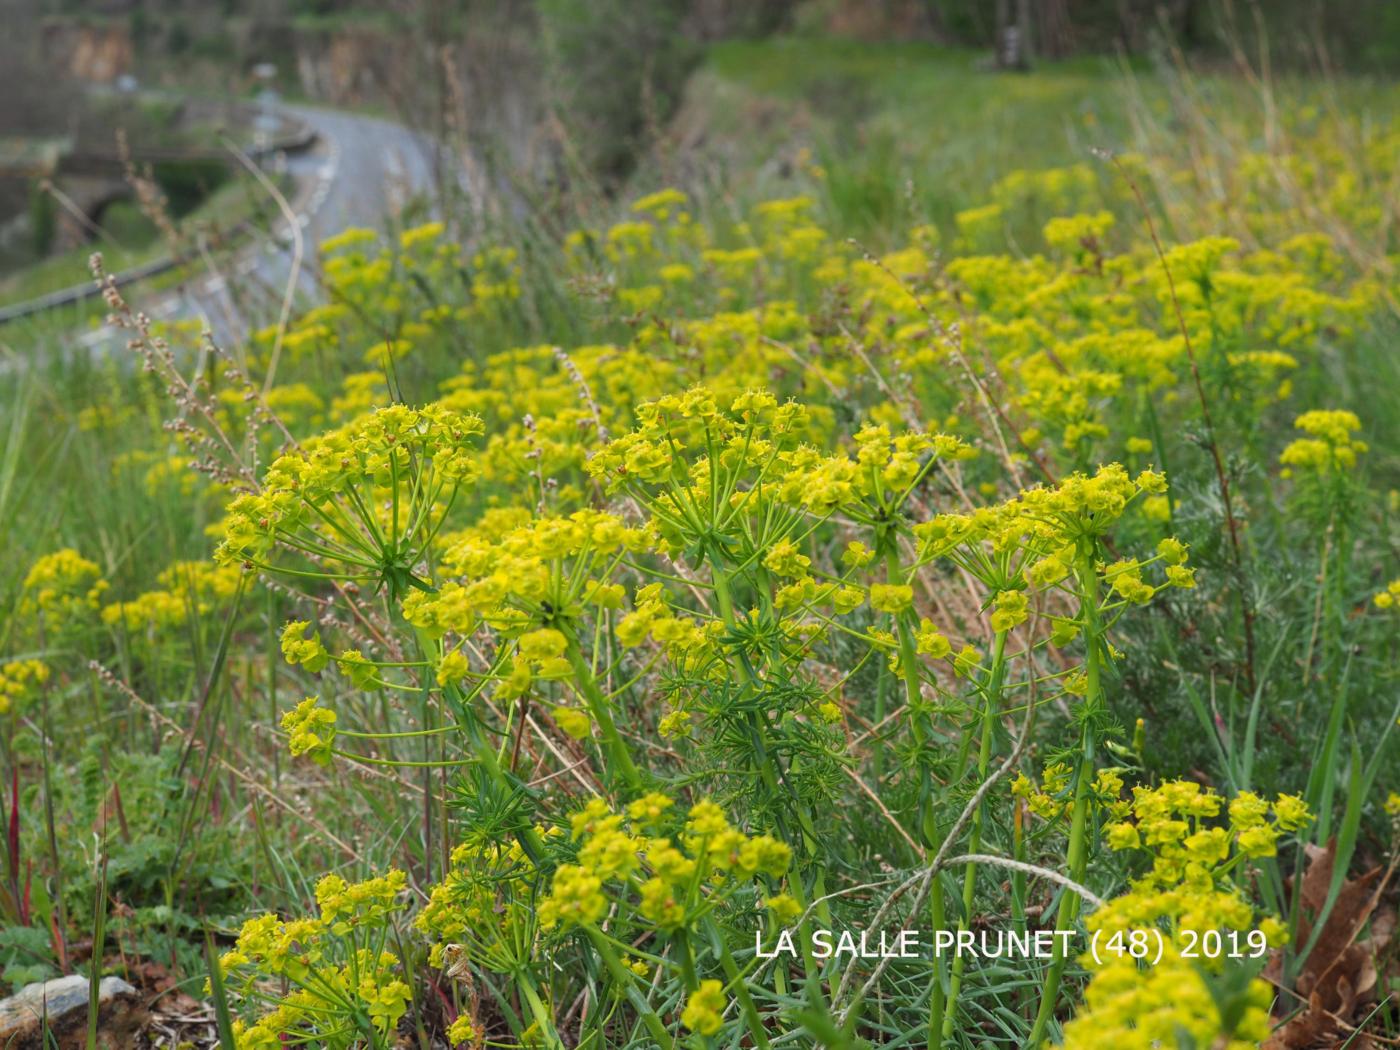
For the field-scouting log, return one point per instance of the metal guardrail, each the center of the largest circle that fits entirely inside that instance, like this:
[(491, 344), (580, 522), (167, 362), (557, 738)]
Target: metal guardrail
[(78, 292), (294, 141)]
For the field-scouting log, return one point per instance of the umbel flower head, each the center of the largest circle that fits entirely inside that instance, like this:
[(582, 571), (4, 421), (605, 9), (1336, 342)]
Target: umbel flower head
[(311, 729), (363, 502), (332, 990), (63, 588), (1329, 447), (676, 878), (20, 682), (1196, 841)]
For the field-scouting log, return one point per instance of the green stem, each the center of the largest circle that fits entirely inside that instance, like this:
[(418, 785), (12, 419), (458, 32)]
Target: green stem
[(626, 981), (991, 708), (598, 708), (768, 770), (1068, 912), (540, 1014), (687, 956), (928, 822), (937, 999), (741, 991)]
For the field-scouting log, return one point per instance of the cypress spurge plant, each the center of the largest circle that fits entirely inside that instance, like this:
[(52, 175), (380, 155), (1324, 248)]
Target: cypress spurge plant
[(344, 988), (739, 548), (1050, 544), (362, 503)]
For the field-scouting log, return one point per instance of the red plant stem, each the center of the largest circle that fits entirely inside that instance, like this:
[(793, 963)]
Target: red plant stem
[(1222, 480), (12, 844)]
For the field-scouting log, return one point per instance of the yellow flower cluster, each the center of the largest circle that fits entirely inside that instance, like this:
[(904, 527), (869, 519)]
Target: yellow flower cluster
[(20, 682), (671, 880), (1388, 598), (190, 590), (1187, 892), (342, 993), (720, 519), (484, 906), (1330, 446), (363, 501), (704, 1008), (311, 730), (63, 587), (542, 572)]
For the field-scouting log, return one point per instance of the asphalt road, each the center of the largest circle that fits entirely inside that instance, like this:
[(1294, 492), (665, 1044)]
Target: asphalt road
[(361, 172)]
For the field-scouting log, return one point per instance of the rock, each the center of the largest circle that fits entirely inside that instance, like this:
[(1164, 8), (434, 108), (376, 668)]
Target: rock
[(60, 1006)]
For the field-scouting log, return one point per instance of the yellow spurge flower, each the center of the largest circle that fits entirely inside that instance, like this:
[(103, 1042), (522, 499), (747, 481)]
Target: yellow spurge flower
[(650, 808), (20, 682), (1330, 446), (967, 661), (516, 682), (575, 898), (355, 667), (542, 646), (891, 598), (573, 721), (705, 820), (610, 854), (63, 587), (1012, 610), (661, 903), (1043, 521), (785, 909), (1188, 890), (784, 559), (674, 725), (345, 905), (453, 667), (311, 729), (604, 595), (365, 498), (298, 649), (1076, 234), (662, 204), (928, 641), (201, 580), (1135, 1008), (349, 237), (704, 1009), (1125, 577), (509, 581), (461, 1030), (421, 235), (1388, 598), (857, 555), (595, 816)]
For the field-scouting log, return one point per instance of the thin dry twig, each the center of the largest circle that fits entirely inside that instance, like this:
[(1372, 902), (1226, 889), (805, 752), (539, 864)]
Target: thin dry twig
[(1221, 477)]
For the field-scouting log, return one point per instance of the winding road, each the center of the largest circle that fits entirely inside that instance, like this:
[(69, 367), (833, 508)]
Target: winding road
[(361, 171)]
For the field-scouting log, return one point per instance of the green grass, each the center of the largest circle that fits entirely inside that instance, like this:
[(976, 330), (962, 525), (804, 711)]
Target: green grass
[(884, 119), (911, 132)]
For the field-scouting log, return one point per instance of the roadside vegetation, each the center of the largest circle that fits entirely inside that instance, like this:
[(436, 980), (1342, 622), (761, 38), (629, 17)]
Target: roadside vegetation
[(927, 499)]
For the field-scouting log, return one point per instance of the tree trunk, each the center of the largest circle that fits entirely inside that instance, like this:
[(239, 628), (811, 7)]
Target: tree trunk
[(1013, 35)]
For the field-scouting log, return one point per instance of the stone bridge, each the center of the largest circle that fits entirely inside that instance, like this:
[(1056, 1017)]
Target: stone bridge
[(89, 180)]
